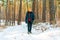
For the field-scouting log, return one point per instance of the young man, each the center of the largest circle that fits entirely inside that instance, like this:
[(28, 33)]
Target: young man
[(29, 20)]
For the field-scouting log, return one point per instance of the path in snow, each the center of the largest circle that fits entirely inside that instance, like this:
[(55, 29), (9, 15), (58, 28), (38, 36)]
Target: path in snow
[(20, 33)]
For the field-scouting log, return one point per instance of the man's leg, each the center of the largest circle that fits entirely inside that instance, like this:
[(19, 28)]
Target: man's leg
[(30, 27)]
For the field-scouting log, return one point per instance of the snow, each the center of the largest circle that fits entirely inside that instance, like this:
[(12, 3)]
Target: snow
[(19, 32), (2, 22)]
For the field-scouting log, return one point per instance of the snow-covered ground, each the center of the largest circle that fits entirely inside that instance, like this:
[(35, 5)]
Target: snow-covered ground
[(2, 22), (19, 32)]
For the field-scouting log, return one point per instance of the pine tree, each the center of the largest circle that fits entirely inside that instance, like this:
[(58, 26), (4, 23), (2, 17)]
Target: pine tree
[(6, 23), (14, 11), (52, 11), (20, 11), (44, 11)]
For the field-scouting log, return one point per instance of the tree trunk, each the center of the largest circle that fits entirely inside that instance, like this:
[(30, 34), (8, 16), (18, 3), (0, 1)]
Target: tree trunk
[(52, 11), (33, 6), (20, 11), (8, 13), (0, 14), (44, 11), (14, 11), (27, 4), (6, 23), (37, 9)]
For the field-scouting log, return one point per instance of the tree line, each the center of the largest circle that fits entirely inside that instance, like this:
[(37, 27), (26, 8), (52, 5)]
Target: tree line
[(15, 10)]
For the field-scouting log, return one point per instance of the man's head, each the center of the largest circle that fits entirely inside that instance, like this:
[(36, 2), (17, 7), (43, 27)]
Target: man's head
[(29, 9)]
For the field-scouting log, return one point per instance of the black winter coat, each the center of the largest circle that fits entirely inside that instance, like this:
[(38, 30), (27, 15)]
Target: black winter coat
[(31, 16)]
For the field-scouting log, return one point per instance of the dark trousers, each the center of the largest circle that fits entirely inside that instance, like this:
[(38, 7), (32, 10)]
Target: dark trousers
[(29, 26)]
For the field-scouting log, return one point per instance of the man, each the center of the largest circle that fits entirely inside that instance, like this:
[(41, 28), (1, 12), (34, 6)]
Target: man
[(29, 19)]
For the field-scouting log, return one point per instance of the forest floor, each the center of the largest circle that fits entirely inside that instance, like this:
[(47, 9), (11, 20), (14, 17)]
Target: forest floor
[(19, 32)]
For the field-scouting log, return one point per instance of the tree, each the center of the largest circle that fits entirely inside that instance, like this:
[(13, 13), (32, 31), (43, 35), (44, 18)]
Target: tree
[(52, 11), (6, 13), (37, 9), (0, 14), (20, 11), (40, 10), (14, 12), (27, 4), (33, 6), (44, 11)]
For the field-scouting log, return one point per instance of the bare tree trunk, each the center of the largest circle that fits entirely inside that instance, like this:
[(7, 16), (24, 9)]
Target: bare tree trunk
[(14, 11), (40, 10), (44, 11), (52, 11), (20, 11), (27, 4), (0, 14), (37, 11), (33, 6), (47, 11), (34, 10), (6, 23), (8, 12)]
